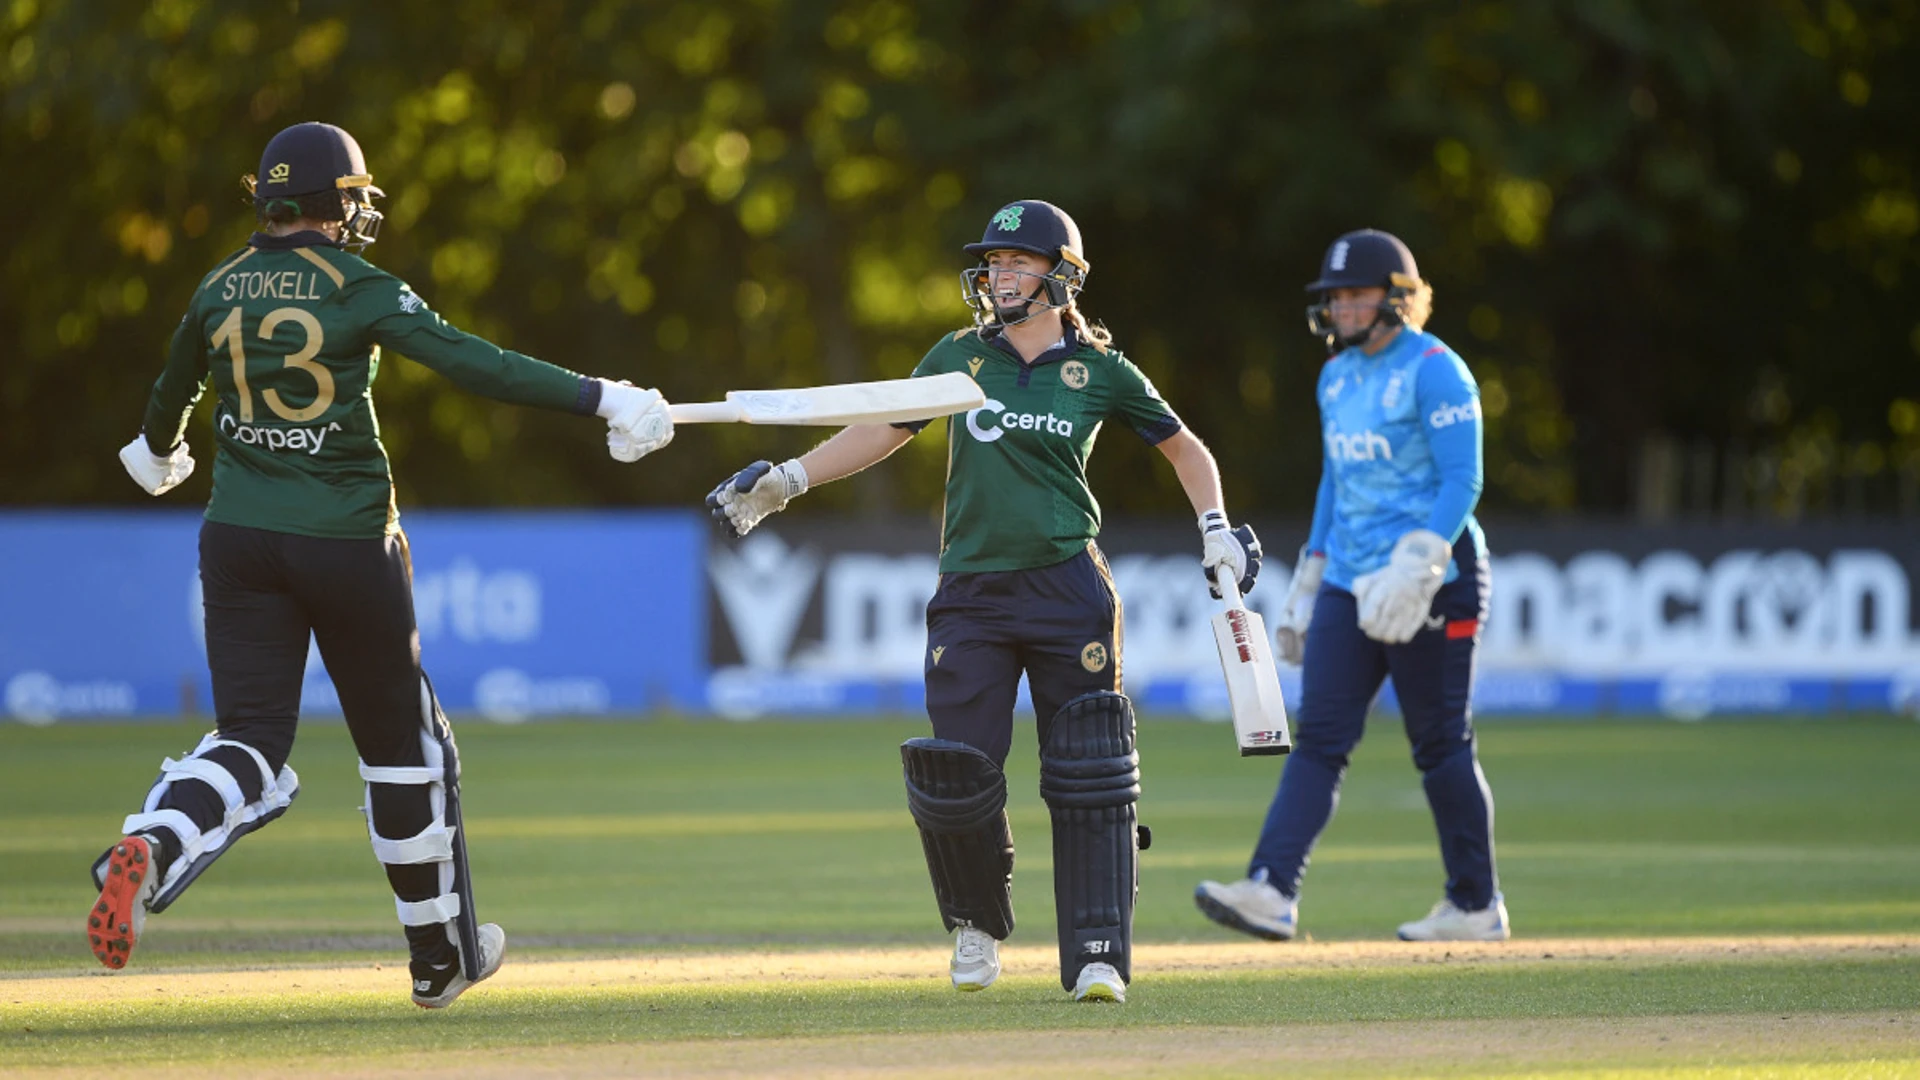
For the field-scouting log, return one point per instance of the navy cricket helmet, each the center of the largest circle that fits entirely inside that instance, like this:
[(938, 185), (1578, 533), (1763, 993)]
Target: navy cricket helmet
[(307, 162), (1040, 228), (1368, 259)]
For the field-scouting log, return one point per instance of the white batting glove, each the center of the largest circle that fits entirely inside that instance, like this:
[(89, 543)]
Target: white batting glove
[(1221, 545), (1395, 598), (744, 499), (637, 420), (1296, 612), (156, 475)]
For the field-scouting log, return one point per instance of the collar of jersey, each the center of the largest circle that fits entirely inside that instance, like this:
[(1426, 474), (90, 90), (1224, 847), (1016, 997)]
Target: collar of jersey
[(304, 238), (1068, 344)]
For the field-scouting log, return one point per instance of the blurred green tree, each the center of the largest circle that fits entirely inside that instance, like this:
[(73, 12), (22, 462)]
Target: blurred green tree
[(1647, 223)]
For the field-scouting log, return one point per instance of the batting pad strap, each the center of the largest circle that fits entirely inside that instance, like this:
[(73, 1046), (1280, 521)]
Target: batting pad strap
[(181, 825), (401, 774), (208, 773), (442, 908), (433, 844)]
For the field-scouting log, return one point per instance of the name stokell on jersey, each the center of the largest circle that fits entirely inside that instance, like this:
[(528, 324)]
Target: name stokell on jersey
[(291, 337), (1017, 495)]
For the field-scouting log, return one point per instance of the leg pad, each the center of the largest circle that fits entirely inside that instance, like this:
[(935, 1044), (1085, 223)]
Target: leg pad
[(958, 797), (1090, 779)]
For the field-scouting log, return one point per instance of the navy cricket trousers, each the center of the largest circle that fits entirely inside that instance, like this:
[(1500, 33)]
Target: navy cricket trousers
[(1059, 624), (1432, 675)]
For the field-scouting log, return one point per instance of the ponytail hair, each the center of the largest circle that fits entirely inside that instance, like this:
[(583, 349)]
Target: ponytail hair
[(1094, 334)]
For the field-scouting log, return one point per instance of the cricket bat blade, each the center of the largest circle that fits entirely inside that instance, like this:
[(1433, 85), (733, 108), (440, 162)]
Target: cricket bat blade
[(1253, 683), (887, 401)]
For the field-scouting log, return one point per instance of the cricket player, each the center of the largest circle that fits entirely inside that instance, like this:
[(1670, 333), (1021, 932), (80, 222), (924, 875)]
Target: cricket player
[(302, 538), (1391, 582), (1024, 588)]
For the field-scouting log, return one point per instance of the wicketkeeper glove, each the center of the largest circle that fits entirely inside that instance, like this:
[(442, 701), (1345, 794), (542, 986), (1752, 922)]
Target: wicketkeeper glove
[(1296, 612), (1395, 598), (1235, 548), (157, 475), (637, 420), (744, 499)]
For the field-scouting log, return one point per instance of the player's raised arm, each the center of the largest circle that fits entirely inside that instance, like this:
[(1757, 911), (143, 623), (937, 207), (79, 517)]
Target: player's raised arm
[(399, 318)]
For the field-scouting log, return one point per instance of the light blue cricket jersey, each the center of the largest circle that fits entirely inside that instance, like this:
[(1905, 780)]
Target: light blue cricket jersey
[(1400, 446)]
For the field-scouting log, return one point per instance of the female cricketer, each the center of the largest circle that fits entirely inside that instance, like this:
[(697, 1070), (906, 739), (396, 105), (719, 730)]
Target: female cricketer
[(1392, 582), (302, 538), (1024, 588)]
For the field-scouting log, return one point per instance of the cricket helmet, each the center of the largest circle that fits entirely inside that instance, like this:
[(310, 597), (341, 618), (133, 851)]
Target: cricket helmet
[(1040, 228), (1364, 259), (306, 163)]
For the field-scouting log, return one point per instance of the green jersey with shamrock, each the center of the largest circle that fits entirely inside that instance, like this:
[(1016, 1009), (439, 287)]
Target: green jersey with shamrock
[(1017, 495)]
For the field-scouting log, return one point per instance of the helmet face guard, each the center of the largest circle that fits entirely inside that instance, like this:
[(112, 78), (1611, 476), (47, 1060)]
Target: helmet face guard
[(1394, 310), (1059, 287)]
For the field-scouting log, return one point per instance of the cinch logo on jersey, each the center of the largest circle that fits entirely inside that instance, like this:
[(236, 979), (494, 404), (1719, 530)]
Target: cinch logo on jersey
[(306, 440), (1449, 415), (1005, 421), (1360, 446)]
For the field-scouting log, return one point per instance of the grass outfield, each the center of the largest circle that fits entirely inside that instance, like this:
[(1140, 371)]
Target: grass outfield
[(705, 897)]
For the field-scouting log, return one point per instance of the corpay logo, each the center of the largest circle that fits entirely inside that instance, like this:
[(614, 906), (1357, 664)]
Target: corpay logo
[(1005, 421), (1366, 445), (1449, 415)]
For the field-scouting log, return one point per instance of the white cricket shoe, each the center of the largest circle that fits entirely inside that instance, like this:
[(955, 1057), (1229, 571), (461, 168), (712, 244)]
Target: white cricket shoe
[(441, 987), (1448, 923), (1249, 906), (976, 960), (1099, 982)]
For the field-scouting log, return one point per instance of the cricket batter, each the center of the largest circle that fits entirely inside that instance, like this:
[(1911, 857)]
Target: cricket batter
[(1392, 582), (1024, 588), (302, 538)]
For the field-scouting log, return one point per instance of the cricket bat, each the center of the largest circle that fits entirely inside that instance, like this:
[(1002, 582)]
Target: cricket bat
[(1253, 684), (885, 402)]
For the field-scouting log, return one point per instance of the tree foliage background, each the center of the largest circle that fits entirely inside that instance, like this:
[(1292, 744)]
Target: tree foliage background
[(1676, 242)]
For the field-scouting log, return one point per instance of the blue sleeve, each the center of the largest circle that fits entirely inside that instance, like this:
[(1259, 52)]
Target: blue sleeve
[(1450, 413), (1322, 513)]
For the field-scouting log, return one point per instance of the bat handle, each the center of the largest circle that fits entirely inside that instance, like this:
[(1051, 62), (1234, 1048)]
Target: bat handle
[(1229, 587), (706, 412)]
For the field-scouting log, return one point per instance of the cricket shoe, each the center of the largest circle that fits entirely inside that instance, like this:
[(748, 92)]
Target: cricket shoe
[(128, 881), (1448, 923), (976, 960), (1099, 982), (435, 987), (1249, 906)]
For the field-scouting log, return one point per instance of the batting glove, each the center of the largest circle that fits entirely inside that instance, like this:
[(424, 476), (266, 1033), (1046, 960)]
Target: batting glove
[(1296, 612), (1395, 598), (744, 499), (155, 474), (637, 420), (1237, 549)]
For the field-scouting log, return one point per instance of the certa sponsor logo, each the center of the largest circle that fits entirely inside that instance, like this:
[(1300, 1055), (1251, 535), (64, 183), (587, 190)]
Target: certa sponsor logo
[(1368, 445), (1449, 415), (988, 428)]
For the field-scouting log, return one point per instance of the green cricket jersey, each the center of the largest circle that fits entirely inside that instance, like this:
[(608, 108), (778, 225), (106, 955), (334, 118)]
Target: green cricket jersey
[(290, 331), (1017, 495)]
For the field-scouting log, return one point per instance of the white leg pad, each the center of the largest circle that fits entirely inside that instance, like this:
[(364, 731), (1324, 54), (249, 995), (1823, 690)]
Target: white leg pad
[(433, 844), (199, 848)]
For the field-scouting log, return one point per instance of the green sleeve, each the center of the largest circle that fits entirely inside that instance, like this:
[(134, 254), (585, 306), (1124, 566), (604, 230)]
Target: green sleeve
[(1138, 402), (938, 361), (178, 387), (397, 318)]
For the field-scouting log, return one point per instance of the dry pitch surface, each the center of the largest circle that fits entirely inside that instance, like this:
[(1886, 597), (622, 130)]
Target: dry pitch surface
[(1810, 1044)]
